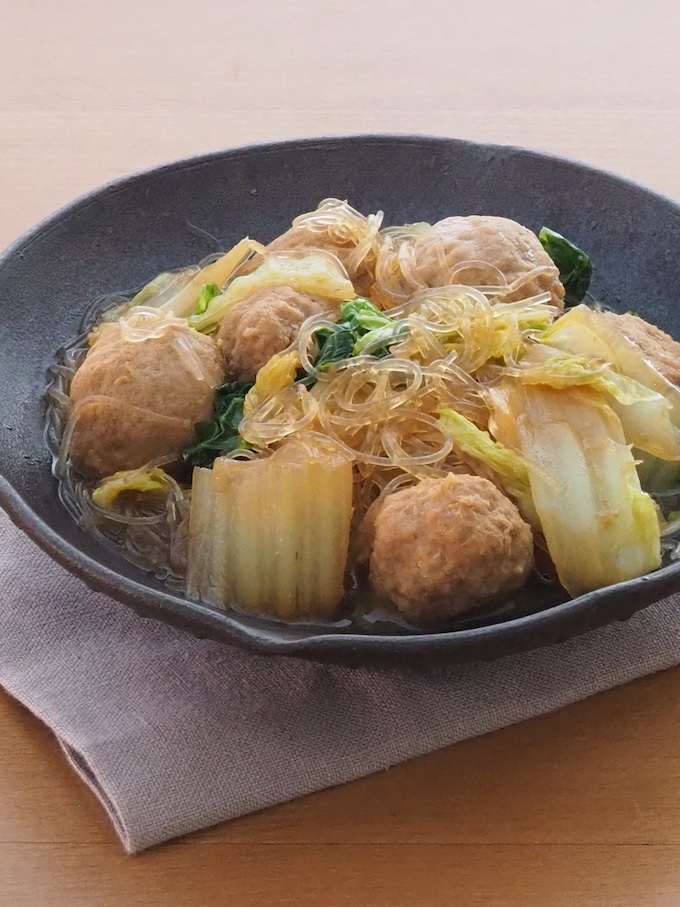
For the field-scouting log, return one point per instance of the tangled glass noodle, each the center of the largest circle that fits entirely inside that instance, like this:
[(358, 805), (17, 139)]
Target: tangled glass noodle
[(398, 273), (355, 237), (441, 347), (383, 411)]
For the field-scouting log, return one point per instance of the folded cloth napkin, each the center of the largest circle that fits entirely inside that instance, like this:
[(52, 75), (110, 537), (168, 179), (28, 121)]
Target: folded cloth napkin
[(174, 734)]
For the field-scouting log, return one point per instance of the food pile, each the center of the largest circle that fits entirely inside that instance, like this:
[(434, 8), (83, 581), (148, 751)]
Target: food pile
[(424, 409)]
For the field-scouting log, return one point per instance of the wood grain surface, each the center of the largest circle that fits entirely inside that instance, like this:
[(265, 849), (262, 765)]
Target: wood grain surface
[(577, 808)]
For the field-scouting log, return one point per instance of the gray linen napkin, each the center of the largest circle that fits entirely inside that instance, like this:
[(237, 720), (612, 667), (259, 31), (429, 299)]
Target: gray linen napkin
[(174, 734)]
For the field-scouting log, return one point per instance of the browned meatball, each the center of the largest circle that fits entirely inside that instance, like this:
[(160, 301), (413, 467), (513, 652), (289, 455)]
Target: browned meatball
[(661, 350), (111, 435), (266, 323), (337, 228), (445, 545), (508, 246), (135, 401), (301, 237)]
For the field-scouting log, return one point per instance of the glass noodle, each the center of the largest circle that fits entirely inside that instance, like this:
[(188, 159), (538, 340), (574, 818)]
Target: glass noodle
[(434, 349)]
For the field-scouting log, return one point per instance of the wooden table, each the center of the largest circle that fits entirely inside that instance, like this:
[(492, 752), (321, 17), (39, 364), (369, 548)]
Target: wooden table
[(577, 808)]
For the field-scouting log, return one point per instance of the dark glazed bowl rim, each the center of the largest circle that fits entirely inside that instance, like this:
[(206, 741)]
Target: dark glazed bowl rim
[(551, 625)]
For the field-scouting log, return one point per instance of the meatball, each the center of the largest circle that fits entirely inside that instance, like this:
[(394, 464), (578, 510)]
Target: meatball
[(337, 228), (445, 545), (661, 350), (301, 237), (257, 328), (135, 401), (508, 246)]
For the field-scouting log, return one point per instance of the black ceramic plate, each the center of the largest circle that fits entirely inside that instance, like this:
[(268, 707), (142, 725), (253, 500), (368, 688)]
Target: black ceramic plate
[(119, 236)]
